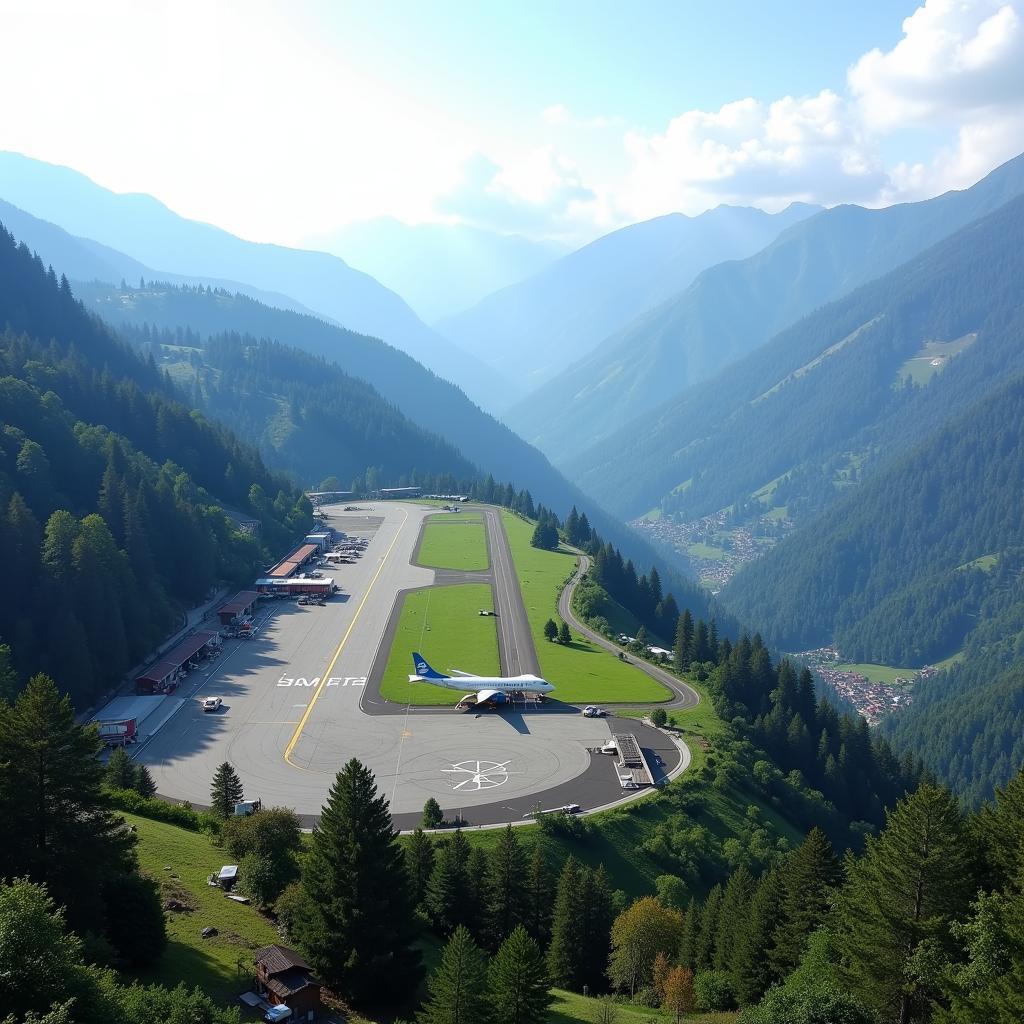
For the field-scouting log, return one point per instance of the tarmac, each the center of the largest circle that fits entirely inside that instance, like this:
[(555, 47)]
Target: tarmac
[(302, 697)]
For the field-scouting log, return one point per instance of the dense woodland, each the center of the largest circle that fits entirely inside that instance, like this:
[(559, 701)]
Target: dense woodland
[(113, 493), (307, 417)]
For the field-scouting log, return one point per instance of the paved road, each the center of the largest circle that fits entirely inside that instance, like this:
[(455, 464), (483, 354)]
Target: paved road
[(685, 696), (515, 640)]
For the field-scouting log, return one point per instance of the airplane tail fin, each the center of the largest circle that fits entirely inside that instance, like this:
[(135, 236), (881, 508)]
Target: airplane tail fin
[(423, 669)]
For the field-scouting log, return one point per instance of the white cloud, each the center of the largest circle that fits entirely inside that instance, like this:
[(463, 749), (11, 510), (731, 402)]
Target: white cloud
[(536, 191), (557, 114), (797, 148), (955, 59)]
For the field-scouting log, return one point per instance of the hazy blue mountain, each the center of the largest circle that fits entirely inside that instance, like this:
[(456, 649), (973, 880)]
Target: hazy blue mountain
[(439, 269), (791, 421), (733, 308), (149, 232), (82, 259), (550, 320)]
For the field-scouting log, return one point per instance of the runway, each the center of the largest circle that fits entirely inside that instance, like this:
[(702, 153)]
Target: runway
[(298, 705)]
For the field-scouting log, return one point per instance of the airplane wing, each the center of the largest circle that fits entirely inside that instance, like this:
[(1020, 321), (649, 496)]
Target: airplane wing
[(483, 696), (459, 672)]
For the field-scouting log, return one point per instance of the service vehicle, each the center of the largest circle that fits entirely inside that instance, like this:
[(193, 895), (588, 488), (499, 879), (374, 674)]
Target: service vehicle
[(593, 711), (212, 703)]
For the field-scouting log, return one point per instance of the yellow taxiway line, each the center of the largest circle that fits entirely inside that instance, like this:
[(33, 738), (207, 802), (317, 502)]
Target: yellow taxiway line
[(296, 736)]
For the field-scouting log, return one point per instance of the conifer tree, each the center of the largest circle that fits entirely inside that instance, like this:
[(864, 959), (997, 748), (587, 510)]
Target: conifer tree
[(478, 870), (564, 636), (450, 898), (507, 893), (457, 990), (419, 864), (225, 790), (704, 953), (810, 875), (565, 954), (144, 784), (355, 920), (58, 828), (519, 984), (433, 816), (689, 938), (539, 891), (739, 891), (550, 630), (598, 913), (120, 772), (751, 969), (684, 642), (906, 888)]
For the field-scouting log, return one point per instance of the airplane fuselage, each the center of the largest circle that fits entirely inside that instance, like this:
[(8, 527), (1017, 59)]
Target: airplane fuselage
[(502, 684)]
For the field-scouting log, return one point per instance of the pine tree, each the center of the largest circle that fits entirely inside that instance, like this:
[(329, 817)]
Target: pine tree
[(684, 642), (739, 891), (478, 870), (507, 893), (519, 984), (906, 888), (144, 784), (539, 891), (225, 790), (120, 772), (704, 954), (355, 921), (58, 828), (810, 876), (419, 864), (752, 971), (565, 954), (564, 636), (449, 901), (550, 630), (457, 990), (598, 913)]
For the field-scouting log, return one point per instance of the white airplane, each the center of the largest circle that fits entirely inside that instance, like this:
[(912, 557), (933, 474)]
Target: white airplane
[(490, 689)]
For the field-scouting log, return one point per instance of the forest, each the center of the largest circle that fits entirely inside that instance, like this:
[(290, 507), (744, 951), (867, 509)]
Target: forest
[(116, 498)]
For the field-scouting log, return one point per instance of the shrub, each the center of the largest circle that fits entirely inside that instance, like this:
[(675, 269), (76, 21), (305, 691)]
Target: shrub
[(714, 990), (659, 717)]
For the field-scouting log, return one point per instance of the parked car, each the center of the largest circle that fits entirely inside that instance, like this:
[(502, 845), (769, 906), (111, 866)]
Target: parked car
[(593, 711), (212, 703), (484, 611)]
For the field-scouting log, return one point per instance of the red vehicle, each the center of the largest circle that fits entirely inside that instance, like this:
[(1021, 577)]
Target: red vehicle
[(118, 734)]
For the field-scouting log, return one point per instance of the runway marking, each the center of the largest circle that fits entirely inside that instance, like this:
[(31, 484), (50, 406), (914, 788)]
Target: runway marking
[(479, 774), (337, 653)]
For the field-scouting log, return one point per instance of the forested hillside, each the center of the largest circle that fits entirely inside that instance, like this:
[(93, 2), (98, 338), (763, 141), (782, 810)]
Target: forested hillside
[(833, 392), (306, 416), (898, 570), (433, 404), (730, 310), (112, 491), (534, 329)]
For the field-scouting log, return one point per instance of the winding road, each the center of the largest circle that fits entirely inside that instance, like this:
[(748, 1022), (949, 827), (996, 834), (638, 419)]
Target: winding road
[(685, 696)]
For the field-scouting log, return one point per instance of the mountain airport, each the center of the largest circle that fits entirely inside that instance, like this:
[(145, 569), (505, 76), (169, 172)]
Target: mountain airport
[(306, 685)]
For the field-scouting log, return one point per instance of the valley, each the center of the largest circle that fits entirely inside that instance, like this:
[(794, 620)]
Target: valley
[(512, 514)]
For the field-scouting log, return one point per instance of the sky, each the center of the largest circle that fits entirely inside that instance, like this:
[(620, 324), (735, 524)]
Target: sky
[(556, 119)]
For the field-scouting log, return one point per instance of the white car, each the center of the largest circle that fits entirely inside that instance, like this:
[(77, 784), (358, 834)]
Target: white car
[(212, 703), (593, 711)]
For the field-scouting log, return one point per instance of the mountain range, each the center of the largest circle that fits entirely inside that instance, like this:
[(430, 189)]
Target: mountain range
[(144, 229), (729, 310), (532, 330)]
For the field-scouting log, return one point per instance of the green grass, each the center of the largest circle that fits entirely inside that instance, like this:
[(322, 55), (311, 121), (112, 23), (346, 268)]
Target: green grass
[(569, 1006), (212, 964), (878, 673), (949, 662), (454, 542), (986, 563), (919, 366), (708, 551), (444, 625), (580, 671)]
